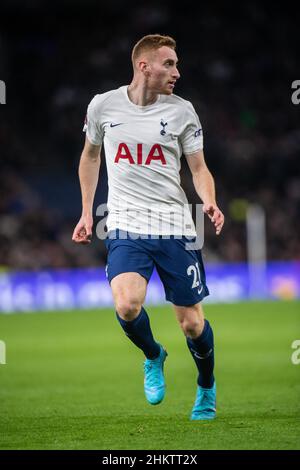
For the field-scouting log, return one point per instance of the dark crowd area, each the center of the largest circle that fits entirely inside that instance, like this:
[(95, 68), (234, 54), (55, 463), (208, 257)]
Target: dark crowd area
[(237, 65)]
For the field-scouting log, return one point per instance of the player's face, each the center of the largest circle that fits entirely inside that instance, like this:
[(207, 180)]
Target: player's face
[(163, 71)]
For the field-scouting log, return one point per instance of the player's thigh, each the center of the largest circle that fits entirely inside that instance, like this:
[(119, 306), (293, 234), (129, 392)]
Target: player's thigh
[(129, 268), (129, 290)]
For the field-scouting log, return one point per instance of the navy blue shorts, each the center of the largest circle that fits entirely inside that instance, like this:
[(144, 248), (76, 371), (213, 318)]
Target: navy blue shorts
[(181, 271)]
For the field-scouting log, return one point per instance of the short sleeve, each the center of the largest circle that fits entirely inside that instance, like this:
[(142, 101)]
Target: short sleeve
[(92, 125), (191, 137)]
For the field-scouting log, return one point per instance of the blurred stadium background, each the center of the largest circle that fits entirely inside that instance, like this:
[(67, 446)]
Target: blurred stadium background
[(237, 64)]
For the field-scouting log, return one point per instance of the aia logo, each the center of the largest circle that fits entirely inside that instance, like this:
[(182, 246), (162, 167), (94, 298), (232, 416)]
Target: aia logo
[(155, 153)]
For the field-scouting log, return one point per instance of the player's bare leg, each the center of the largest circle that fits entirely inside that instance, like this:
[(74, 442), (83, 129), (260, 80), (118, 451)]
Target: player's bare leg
[(199, 337), (129, 291), (191, 319)]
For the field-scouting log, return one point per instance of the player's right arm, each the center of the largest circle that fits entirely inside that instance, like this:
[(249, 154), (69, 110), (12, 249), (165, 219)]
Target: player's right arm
[(88, 176)]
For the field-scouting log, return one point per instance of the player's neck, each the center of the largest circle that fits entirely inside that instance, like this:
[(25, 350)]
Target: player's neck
[(140, 95)]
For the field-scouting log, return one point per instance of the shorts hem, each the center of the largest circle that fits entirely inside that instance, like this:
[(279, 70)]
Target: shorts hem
[(184, 303), (123, 272)]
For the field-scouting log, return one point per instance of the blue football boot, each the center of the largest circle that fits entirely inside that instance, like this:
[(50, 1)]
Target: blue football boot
[(154, 383), (205, 404)]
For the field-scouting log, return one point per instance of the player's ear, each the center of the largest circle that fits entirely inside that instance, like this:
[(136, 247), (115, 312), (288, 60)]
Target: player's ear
[(144, 67)]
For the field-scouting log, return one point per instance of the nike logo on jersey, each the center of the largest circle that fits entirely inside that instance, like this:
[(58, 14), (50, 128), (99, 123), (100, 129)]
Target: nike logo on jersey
[(114, 125)]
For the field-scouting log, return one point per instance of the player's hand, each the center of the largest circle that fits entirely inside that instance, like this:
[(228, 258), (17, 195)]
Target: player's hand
[(83, 230), (215, 215)]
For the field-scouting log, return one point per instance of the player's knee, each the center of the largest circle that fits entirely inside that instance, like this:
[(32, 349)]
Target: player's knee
[(128, 309), (192, 327)]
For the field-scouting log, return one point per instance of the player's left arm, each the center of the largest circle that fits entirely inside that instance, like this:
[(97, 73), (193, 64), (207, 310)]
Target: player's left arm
[(205, 187)]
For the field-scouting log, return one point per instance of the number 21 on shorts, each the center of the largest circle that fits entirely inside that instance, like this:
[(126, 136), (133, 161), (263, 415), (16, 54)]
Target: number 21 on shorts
[(193, 270)]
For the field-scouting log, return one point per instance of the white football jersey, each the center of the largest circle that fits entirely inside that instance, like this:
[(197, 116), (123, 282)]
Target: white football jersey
[(143, 146)]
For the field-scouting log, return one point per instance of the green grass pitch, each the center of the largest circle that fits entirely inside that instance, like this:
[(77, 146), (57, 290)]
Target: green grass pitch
[(73, 381)]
